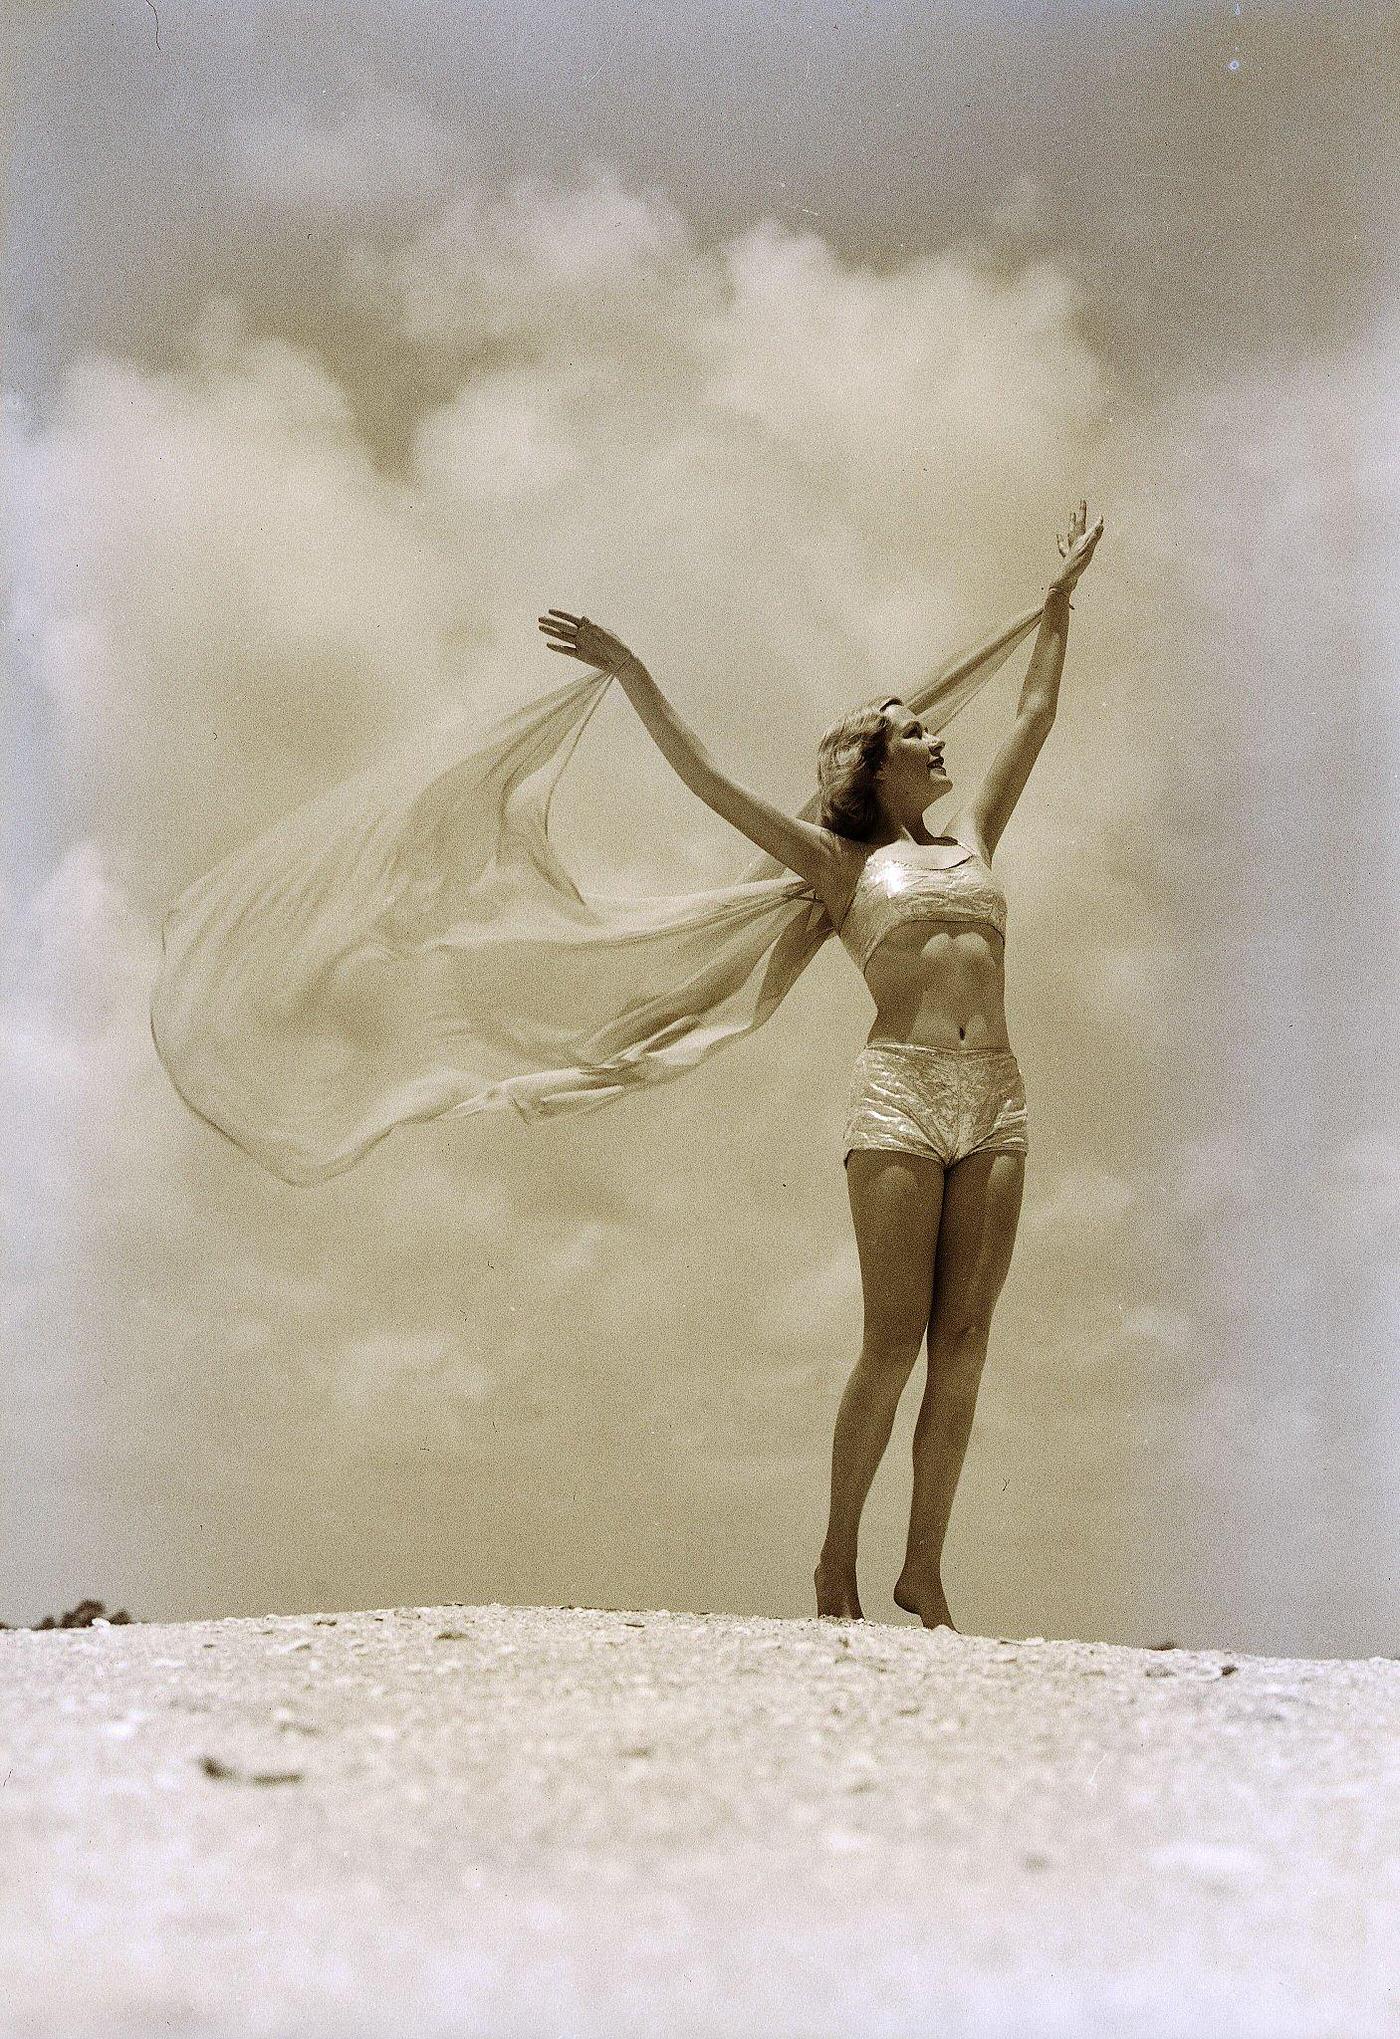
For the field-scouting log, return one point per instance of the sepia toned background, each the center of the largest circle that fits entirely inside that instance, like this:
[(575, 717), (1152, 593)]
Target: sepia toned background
[(339, 342)]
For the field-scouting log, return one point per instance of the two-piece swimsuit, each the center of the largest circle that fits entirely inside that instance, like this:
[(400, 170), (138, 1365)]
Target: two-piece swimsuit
[(905, 1097)]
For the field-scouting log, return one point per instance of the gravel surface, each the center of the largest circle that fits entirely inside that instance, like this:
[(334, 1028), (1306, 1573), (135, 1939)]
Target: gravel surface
[(512, 1821)]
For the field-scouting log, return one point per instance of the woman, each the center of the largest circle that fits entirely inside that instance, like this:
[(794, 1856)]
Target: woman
[(935, 1142)]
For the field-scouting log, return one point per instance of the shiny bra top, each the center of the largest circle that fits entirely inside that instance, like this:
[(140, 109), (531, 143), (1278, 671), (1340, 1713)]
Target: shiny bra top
[(894, 889)]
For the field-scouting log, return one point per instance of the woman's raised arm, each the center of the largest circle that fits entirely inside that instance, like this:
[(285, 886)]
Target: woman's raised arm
[(803, 846), (1040, 692), (992, 805)]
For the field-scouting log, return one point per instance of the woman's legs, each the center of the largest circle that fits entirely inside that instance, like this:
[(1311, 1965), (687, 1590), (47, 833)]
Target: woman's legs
[(895, 1202), (976, 1235)]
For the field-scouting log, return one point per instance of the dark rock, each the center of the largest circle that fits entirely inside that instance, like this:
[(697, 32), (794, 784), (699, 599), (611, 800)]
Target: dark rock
[(212, 1766), (82, 1616)]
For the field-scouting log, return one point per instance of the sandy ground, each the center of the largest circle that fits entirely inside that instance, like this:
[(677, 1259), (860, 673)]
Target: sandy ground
[(553, 1820)]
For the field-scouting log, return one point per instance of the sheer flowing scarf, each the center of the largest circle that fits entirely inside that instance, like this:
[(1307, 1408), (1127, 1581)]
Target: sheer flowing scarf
[(400, 950)]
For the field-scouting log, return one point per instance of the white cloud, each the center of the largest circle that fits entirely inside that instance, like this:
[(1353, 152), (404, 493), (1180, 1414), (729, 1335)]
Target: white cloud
[(1363, 1176), (218, 591), (823, 1298), (377, 1377), (381, 152), (1086, 1202), (1149, 1353), (538, 268)]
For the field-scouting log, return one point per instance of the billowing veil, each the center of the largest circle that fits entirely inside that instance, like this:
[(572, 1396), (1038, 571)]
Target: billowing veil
[(397, 950)]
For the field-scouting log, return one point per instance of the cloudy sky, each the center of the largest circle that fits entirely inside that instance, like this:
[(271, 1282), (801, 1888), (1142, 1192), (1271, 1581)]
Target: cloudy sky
[(339, 342)]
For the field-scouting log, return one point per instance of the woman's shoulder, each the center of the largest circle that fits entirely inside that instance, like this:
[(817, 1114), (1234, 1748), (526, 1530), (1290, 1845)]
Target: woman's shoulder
[(962, 828), (846, 859)]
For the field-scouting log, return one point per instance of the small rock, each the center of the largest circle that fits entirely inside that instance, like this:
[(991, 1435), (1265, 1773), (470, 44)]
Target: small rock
[(212, 1766)]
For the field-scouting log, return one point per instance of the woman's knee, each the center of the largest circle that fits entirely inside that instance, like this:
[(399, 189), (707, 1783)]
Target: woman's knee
[(891, 1347), (956, 1324), (957, 1354)]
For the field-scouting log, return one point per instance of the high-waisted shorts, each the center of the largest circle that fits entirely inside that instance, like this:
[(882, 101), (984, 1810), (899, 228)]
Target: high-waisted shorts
[(940, 1102)]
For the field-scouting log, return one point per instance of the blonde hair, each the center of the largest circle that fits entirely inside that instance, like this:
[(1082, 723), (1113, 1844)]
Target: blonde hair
[(849, 758)]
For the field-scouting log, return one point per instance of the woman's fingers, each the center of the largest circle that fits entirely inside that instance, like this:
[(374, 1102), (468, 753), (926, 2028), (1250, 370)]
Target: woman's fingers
[(1081, 551), (1079, 535), (564, 632)]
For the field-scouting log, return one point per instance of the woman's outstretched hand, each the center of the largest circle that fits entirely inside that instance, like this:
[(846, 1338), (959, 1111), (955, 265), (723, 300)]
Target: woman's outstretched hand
[(1076, 549), (577, 638)]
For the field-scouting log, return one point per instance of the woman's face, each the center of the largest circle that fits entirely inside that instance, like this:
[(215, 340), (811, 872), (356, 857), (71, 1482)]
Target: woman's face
[(914, 761)]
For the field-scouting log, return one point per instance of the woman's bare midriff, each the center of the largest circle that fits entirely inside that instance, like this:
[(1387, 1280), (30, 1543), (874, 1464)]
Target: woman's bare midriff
[(940, 984)]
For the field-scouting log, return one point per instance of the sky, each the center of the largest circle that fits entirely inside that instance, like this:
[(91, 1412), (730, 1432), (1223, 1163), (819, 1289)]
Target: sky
[(342, 341)]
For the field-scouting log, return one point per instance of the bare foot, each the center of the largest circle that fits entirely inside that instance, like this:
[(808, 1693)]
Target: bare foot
[(836, 1593), (924, 1598)]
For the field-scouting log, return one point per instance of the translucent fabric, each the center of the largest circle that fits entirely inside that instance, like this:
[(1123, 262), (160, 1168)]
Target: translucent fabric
[(410, 947)]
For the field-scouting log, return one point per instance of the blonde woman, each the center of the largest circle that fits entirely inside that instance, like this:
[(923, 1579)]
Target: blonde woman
[(935, 1141)]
